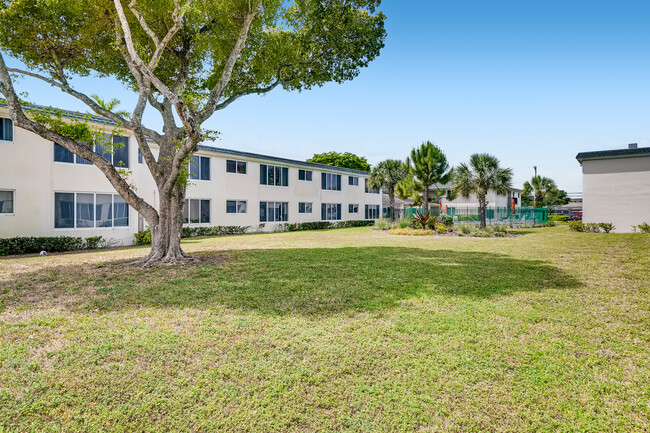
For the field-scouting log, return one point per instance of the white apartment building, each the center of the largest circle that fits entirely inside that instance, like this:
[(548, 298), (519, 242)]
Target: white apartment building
[(45, 190), (616, 187)]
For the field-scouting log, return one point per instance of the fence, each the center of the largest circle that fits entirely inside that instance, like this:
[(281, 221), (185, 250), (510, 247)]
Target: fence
[(493, 215)]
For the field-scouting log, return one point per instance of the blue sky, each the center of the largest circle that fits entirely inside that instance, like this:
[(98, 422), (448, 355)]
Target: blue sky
[(532, 82)]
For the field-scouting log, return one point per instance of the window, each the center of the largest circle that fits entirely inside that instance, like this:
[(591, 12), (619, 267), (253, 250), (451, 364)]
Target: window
[(274, 211), (6, 202), (331, 181), (235, 206), (353, 208), (304, 207), (372, 211), (353, 180), (238, 167), (117, 152), (196, 211), (139, 156), (330, 211), (89, 210), (304, 175), (370, 190), (273, 175), (6, 129), (199, 167)]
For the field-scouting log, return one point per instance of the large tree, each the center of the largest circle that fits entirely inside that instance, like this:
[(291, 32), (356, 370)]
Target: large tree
[(386, 175), (185, 59), (482, 175), (345, 160), (543, 191), (428, 167)]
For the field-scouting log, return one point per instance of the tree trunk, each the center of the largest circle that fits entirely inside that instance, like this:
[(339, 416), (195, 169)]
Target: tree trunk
[(481, 204), (425, 202), (166, 233), (391, 197)]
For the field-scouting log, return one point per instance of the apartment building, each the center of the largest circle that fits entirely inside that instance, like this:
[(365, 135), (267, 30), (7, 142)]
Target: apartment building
[(45, 190), (616, 186)]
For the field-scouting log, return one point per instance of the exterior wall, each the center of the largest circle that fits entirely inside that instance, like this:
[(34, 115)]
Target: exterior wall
[(28, 168), (617, 191)]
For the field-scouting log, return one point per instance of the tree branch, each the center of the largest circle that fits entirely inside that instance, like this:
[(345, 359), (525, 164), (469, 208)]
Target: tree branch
[(113, 176), (217, 92)]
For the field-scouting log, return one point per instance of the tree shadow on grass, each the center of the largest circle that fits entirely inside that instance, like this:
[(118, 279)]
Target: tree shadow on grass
[(314, 281)]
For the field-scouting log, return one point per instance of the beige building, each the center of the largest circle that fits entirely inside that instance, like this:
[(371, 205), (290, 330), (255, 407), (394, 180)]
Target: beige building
[(45, 190), (616, 187)]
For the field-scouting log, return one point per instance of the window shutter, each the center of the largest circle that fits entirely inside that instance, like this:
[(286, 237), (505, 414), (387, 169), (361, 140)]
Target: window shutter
[(323, 180), (338, 210), (262, 211), (323, 211)]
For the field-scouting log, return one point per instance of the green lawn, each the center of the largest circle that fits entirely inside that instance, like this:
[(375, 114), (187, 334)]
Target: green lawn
[(342, 330)]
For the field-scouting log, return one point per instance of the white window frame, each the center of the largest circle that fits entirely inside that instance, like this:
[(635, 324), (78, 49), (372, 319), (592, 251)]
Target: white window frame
[(74, 211), (13, 131), (305, 204), (13, 199), (237, 207), (355, 208), (237, 162), (187, 205)]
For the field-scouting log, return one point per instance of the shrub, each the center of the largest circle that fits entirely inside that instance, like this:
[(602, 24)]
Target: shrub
[(143, 238), (446, 220), (93, 242), (500, 228), (441, 229), (354, 223), (465, 229), (607, 227), (403, 223), (31, 245), (576, 226), (422, 219), (559, 218), (643, 227), (382, 224), (592, 227), (411, 232)]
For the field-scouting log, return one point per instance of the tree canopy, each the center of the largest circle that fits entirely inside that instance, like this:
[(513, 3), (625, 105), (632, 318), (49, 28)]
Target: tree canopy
[(543, 191), (345, 160), (386, 175), (482, 175), (185, 59), (427, 166)]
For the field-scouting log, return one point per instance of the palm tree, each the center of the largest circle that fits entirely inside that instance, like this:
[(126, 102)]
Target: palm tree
[(428, 166), (481, 176), (542, 188), (386, 175)]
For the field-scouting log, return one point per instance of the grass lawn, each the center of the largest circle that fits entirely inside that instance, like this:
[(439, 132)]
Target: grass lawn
[(342, 330)]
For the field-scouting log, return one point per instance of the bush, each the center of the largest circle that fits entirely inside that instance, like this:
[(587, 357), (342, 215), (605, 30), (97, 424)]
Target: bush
[(354, 223), (465, 228), (558, 218), (382, 224), (411, 232), (576, 226), (94, 242), (441, 229), (643, 227), (403, 223), (143, 238), (607, 227), (446, 220), (31, 245), (592, 227)]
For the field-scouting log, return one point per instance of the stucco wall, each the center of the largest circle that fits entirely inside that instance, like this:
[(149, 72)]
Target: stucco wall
[(617, 191)]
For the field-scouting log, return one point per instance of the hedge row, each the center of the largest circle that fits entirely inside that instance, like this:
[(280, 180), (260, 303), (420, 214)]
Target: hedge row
[(144, 238), (322, 225), (31, 245)]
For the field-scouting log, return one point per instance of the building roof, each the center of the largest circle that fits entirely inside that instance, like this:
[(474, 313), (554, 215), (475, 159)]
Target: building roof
[(242, 154), (75, 115), (616, 153)]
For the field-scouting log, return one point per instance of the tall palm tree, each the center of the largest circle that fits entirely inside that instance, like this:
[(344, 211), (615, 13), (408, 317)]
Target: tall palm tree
[(428, 165), (540, 187), (481, 176), (386, 175)]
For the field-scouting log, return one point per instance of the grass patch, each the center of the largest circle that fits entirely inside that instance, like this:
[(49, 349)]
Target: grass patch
[(345, 330)]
